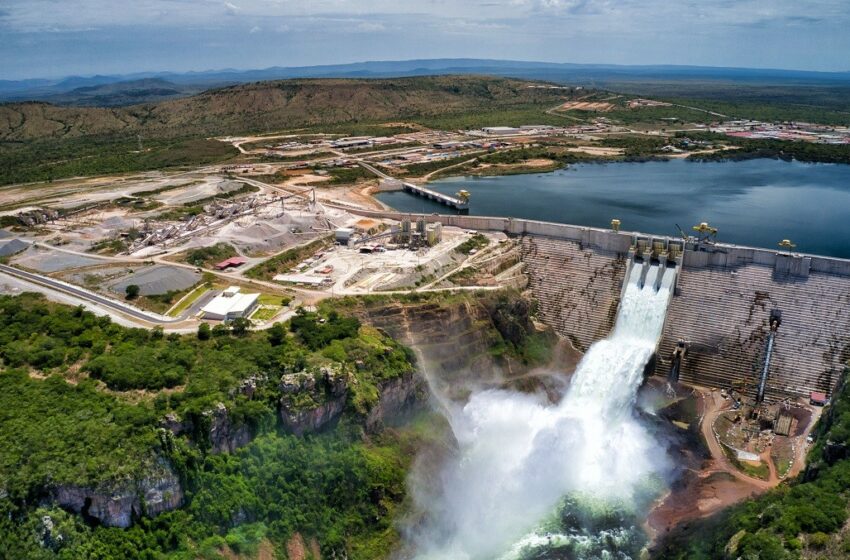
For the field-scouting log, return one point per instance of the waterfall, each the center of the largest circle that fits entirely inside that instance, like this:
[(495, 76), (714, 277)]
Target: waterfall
[(520, 455)]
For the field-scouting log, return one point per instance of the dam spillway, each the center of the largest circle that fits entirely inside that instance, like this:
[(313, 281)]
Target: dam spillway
[(520, 455), (721, 308)]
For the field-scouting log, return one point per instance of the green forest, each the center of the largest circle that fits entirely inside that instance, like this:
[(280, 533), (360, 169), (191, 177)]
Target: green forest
[(82, 402)]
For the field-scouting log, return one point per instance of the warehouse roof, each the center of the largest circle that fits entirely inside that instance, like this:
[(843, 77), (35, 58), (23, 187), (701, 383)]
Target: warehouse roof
[(230, 302)]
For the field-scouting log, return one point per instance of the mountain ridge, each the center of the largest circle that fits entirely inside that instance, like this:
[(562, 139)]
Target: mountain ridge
[(568, 73)]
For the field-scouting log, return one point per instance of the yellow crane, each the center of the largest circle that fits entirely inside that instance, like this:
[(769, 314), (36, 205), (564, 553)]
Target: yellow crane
[(787, 245), (615, 224), (704, 228), (463, 195), (705, 231)]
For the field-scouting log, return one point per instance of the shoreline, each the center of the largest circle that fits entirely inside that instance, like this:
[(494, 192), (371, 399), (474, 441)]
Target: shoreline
[(519, 169)]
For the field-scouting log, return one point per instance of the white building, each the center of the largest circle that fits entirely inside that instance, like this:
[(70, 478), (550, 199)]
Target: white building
[(230, 304), (500, 130)]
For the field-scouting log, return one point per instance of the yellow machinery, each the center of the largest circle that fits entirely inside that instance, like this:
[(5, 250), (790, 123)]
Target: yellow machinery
[(615, 224), (705, 231), (787, 245), (463, 195)]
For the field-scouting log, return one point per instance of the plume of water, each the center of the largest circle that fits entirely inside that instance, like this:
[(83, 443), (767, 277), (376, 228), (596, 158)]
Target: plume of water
[(519, 455)]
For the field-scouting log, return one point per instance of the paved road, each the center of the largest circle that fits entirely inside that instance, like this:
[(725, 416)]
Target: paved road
[(88, 296)]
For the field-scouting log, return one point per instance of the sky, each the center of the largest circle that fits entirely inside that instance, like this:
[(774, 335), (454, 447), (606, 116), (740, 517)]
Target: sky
[(54, 38)]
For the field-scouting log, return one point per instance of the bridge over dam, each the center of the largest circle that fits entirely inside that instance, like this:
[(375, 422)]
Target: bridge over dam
[(721, 308)]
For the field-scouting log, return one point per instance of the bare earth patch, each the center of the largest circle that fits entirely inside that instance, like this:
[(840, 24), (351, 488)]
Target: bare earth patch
[(597, 151), (586, 106)]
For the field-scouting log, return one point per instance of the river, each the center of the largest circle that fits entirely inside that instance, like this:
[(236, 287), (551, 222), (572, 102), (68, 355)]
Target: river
[(756, 202)]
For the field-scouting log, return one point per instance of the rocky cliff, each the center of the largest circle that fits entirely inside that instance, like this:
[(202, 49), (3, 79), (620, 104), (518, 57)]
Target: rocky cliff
[(313, 401), (118, 504), (461, 342)]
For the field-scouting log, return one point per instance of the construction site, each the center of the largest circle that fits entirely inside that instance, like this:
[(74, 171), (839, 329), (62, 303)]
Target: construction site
[(176, 244)]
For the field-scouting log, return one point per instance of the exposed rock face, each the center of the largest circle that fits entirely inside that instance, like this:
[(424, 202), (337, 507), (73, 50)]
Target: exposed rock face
[(224, 435), (47, 536), (454, 342), (117, 506), (396, 396), (175, 425), (300, 422), (311, 401)]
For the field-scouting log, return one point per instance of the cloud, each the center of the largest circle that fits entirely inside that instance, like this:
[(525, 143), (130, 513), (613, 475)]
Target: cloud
[(716, 32), (649, 16), (371, 26)]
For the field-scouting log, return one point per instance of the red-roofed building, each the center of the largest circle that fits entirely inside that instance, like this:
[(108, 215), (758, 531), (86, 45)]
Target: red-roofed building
[(818, 399), (231, 262)]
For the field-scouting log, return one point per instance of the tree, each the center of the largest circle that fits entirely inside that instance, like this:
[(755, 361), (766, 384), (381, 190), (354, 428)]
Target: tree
[(204, 331), (277, 334), (132, 291), (240, 326)]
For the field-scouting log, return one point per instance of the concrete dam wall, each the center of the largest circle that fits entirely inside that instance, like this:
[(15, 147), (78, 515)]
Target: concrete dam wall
[(723, 313), (721, 308), (578, 289)]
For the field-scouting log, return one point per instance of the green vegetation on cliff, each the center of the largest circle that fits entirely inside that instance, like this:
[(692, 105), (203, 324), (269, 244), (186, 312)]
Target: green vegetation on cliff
[(336, 488), (81, 406)]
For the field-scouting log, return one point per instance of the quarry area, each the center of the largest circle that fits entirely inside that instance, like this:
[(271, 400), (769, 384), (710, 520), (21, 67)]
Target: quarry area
[(159, 249)]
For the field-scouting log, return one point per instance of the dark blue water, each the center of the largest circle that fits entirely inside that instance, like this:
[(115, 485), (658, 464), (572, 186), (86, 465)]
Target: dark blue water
[(756, 202)]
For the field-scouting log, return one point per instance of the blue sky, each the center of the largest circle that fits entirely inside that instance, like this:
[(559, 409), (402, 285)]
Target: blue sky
[(51, 38)]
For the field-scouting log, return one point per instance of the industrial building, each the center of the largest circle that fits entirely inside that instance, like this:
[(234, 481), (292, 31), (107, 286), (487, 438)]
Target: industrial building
[(343, 235), (353, 142), (232, 262), (500, 130), (230, 304)]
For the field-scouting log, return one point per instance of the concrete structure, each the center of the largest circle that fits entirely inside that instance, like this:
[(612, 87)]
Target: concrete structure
[(433, 234), (353, 142), (230, 304), (425, 192), (578, 289), (721, 307), (306, 279), (343, 235)]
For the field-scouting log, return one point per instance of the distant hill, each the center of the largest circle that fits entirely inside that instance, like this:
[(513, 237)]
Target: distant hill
[(275, 105), (601, 75), (118, 94)]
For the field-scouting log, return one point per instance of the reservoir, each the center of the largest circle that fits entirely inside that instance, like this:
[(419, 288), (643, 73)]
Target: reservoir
[(756, 202)]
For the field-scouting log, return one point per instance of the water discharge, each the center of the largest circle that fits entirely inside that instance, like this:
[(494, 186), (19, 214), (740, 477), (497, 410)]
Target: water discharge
[(520, 455)]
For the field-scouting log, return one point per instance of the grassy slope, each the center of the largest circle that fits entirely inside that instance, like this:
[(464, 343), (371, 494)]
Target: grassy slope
[(274, 105)]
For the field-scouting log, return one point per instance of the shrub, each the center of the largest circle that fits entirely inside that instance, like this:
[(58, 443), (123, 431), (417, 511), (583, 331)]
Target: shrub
[(818, 540), (132, 291)]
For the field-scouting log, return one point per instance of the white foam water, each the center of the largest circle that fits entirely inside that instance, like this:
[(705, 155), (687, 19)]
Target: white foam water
[(519, 455)]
